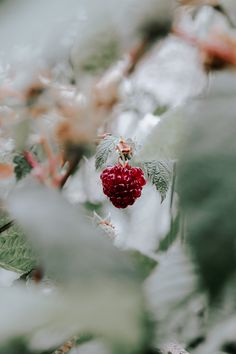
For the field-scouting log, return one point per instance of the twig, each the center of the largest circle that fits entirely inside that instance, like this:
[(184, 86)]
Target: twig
[(6, 226), (66, 347), (219, 46), (135, 55), (73, 163)]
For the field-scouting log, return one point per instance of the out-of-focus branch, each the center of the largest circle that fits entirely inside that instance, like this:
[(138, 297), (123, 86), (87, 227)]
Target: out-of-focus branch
[(135, 55), (6, 226), (72, 165), (66, 347), (219, 47)]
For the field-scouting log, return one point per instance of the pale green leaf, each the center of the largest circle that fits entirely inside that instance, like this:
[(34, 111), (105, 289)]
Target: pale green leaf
[(159, 173), (15, 251), (86, 265), (173, 298), (106, 146), (173, 280), (165, 139)]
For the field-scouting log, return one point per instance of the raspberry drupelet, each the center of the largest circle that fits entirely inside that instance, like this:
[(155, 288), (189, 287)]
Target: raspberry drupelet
[(122, 184)]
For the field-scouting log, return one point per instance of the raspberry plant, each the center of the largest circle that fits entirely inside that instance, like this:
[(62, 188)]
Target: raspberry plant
[(134, 100), (123, 183)]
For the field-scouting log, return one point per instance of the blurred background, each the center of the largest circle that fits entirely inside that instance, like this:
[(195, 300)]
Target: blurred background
[(79, 80)]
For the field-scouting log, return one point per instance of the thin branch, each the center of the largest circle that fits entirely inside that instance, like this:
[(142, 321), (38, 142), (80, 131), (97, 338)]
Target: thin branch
[(66, 347), (73, 163), (6, 226)]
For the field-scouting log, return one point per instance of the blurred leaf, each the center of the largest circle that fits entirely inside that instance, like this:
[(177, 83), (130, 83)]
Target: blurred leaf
[(83, 338), (159, 173), (21, 131), (60, 231), (171, 236), (160, 110), (144, 263), (172, 297), (87, 266), (206, 185), (173, 281), (15, 252), (221, 326), (221, 334), (17, 345), (22, 167), (106, 146), (164, 140), (102, 58), (173, 348)]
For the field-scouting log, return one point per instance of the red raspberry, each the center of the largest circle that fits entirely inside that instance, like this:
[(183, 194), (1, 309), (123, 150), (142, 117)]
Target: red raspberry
[(122, 184)]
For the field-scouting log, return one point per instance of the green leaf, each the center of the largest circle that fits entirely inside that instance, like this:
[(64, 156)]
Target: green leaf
[(159, 173), (16, 345), (174, 280), (171, 236), (221, 324), (144, 264), (101, 58), (106, 146), (20, 132), (172, 297), (165, 139), (86, 265), (161, 110), (22, 167), (206, 187), (15, 252)]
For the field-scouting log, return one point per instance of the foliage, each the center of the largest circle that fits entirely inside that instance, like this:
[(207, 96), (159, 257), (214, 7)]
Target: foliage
[(159, 173), (15, 252), (106, 146), (159, 275), (22, 167)]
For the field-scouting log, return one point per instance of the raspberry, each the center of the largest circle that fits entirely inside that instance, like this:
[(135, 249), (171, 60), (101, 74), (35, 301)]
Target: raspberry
[(122, 184)]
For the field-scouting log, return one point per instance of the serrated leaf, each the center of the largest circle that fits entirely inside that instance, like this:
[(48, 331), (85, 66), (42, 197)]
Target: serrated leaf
[(159, 173), (172, 297), (173, 348), (172, 281), (15, 252), (221, 324), (221, 335), (106, 146), (22, 167)]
